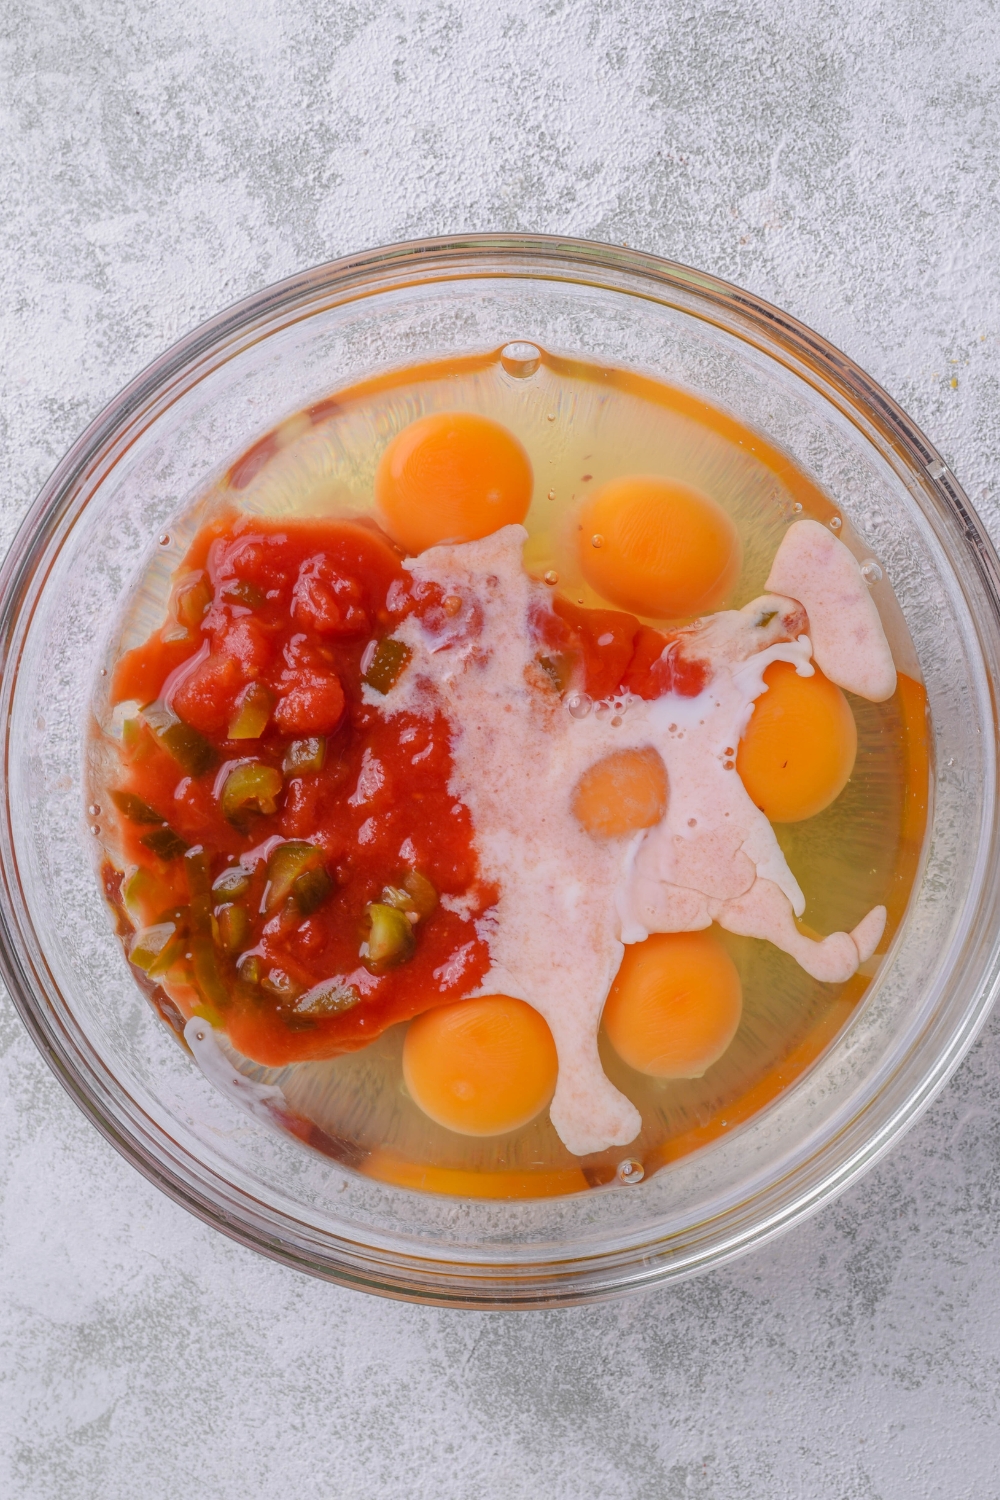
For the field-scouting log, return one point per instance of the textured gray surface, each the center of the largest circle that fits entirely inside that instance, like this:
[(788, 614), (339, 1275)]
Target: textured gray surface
[(162, 159)]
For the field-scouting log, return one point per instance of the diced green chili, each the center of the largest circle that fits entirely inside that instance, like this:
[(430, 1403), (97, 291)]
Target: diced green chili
[(233, 922), (131, 735), (250, 968), (165, 960), (423, 896), (164, 843), (330, 998), (416, 895), (192, 601), (149, 943), (276, 982), (253, 709), (134, 808), (251, 788), (386, 665), (390, 941), (304, 756), (311, 889), (190, 750), (239, 591), (287, 864), (206, 973), (139, 892), (231, 884)]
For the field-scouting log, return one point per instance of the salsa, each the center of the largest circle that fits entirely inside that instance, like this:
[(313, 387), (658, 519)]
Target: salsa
[(301, 872)]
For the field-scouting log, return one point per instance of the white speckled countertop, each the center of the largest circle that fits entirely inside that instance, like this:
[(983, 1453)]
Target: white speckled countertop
[(159, 160)]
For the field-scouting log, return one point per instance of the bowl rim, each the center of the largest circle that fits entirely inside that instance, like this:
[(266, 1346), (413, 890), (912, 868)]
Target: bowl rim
[(258, 316)]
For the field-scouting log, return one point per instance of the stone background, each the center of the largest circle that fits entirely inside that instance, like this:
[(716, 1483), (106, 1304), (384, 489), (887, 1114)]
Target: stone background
[(162, 158)]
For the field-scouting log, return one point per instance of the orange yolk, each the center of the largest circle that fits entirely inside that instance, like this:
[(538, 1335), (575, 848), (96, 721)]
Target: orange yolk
[(452, 477), (480, 1067), (624, 791), (799, 747), (675, 1004), (658, 547)]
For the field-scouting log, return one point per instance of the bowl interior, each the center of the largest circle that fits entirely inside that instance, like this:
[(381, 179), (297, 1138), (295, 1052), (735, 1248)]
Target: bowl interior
[(91, 533)]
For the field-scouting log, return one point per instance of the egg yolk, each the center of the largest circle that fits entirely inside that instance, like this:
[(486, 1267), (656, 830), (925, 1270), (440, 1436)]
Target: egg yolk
[(480, 1067), (658, 547), (799, 747), (624, 791), (452, 477), (675, 1004)]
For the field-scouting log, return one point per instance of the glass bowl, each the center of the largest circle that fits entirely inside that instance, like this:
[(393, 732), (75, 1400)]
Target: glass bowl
[(77, 555)]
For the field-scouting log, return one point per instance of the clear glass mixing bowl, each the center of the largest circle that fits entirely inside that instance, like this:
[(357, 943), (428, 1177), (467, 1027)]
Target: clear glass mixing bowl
[(155, 446)]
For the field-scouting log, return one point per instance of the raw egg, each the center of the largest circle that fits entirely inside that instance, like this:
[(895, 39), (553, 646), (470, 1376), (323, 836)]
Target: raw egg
[(799, 747), (625, 791), (452, 477), (658, 547), (480, 1067), (675, 1004)]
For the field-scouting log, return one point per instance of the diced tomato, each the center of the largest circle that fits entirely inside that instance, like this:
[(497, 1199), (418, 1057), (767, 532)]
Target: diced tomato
[(315, 705), (300, 815), (247, 644), (205, 698), (326, 601), (660, 665), (607, 638)]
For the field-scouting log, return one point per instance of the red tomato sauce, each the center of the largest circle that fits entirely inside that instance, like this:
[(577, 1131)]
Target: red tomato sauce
[(272, 629)]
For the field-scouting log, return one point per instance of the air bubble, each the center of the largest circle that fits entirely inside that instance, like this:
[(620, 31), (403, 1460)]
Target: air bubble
[(164, 538), (95, 829), (579, 705), (93, 810), (551, 577), (552, 494), (871, 572), (797, 508), (597, 540), (602, 709), (520, 359), (104, 671), (630, 1171), (616, 722), (551, 417), (835, 523)]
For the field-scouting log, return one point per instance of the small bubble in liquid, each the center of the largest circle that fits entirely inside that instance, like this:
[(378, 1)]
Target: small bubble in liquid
[(552, 494), (835, 523), (95, 829), (164, 538), (597, 540), (630, 1171), (797, 508), (551, 417), (870, 571), (616, 722), (579, 705), (93, 810), (602, 710), (551, 577), (520, 359), (104, 671)]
